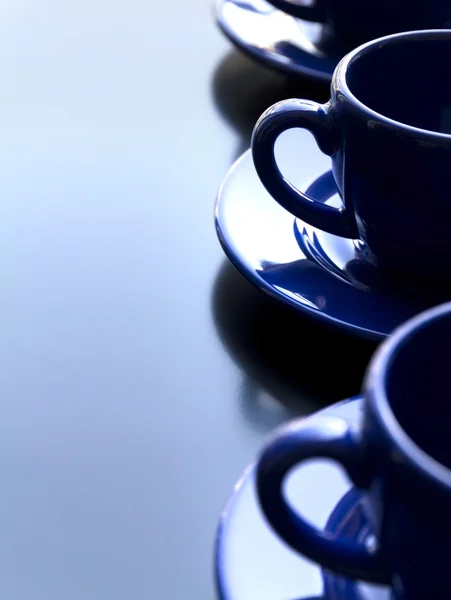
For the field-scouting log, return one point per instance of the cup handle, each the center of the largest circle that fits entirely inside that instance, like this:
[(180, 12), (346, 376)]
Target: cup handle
[(312, 12), (314, 117), (323, 437)]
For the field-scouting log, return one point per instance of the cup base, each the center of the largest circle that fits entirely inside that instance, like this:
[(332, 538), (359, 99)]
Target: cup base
[(353, 262)]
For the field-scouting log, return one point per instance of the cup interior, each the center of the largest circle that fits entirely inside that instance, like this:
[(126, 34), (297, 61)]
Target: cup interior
[(418, 387), (407, 79)]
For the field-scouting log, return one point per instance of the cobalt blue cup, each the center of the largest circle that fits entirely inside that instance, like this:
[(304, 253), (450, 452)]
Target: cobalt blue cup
[(398, 455), (387, 128), (354, 21)]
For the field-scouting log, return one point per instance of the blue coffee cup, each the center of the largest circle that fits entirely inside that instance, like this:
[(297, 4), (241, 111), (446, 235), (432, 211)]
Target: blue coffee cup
[(387, 129), (399, 455), (354, 21)]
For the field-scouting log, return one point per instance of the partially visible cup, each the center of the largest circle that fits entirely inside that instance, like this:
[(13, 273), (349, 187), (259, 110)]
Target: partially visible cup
[(354, 22), (387, 128), (399, 455)]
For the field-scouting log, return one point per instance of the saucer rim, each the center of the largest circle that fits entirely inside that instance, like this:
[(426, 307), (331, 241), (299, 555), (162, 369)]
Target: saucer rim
[(223, 518), (271, 61), (252, 276)]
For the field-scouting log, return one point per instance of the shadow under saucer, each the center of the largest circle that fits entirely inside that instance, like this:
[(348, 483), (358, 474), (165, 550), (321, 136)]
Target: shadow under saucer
[(298, 361)]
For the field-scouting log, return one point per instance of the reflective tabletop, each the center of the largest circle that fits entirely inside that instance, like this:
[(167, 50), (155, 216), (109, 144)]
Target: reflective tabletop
[(139, 373)]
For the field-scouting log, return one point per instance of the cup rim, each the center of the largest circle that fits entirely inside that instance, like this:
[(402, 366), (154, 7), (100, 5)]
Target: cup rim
[(376, 387), (339, 79)]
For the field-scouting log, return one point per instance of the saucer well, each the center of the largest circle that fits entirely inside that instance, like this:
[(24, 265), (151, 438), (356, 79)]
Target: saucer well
[(282, 257), (350, 260), (277, 39), (252, 562)]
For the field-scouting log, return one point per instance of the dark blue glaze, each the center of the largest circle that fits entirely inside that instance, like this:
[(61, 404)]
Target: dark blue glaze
[(278, 40), (257, 235), (252, 562), (348, 520), (357, 22), (347, 259), (387, 129), (399, 455)]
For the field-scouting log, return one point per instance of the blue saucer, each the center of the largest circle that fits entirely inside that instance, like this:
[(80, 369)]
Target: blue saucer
[(252, 562), (298, 265), (350, 261), (277, 39)]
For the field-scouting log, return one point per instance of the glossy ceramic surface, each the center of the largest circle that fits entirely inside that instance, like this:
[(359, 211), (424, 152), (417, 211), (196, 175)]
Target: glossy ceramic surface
[(258, 236), (395, 191), (251, 561), (348, 259), (398, 455), (277, 39), (357, 22)]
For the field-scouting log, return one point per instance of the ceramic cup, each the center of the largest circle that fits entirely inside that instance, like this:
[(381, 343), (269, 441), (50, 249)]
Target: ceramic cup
[(354, 21), (399, 455), (387, 128)]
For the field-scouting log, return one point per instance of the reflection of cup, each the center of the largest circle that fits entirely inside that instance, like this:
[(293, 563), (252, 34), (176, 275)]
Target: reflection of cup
[(355, 22), (387, 128), (399, 455)]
